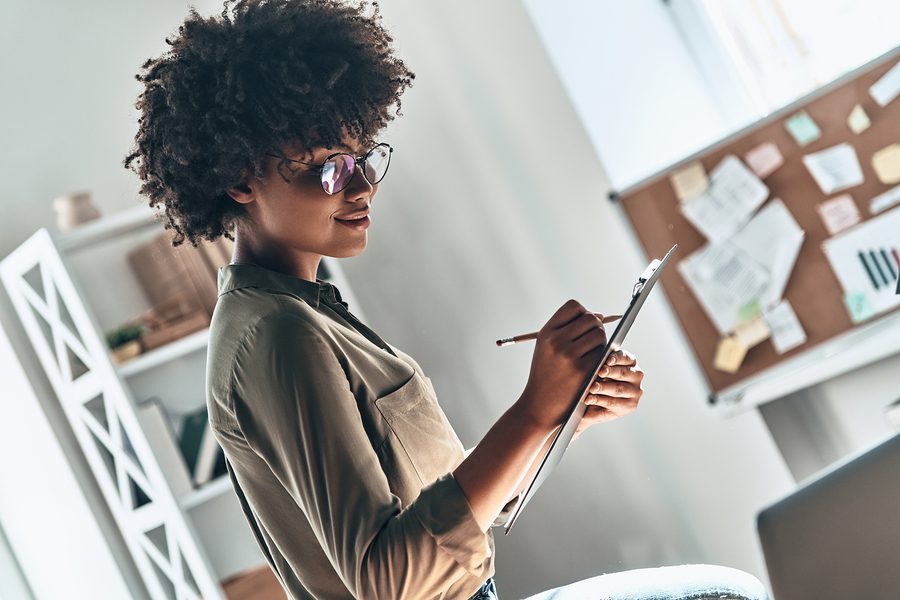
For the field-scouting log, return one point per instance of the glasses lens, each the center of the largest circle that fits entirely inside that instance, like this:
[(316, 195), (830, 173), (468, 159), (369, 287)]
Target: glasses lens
[(377, 163), (337, 173)]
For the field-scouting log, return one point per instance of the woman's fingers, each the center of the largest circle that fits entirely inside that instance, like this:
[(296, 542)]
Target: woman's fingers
[(594, 415), (613, 404), (621, 357), (617, 388), (633, 373)]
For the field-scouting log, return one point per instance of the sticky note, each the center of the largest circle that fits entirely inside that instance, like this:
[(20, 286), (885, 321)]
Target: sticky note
[(787, 333), (690, 181), (859, 306), (858, 121), (888, 87), (764, 159), (730, 354), (749, 311), (886, 163), (839, 213), (885, 200), (803, 129), (751, 333)]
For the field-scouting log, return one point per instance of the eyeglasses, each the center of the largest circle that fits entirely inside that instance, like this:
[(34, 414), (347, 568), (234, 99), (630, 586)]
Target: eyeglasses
[(339, 168)]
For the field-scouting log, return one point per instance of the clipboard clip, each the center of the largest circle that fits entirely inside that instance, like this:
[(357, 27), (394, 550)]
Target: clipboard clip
[(648, 272)]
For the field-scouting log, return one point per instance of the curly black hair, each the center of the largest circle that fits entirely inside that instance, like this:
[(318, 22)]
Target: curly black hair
[(228, 91)]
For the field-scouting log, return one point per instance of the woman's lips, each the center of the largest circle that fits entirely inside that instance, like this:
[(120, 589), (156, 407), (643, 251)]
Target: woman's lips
[(356, 223)]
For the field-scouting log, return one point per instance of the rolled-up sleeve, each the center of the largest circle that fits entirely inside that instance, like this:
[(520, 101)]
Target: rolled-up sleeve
[(294, 406)]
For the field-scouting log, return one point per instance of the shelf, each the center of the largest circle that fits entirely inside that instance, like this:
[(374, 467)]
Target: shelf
[(163, 354), (208, 491), (104, 228)]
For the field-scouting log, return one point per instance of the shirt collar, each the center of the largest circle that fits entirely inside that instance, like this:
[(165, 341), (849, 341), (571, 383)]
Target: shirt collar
[(240, 275)]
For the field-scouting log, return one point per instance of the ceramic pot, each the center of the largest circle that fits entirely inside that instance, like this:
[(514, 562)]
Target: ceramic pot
[(74, 209)]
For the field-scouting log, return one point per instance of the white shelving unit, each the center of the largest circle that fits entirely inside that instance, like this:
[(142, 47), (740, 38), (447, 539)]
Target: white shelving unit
[(166, 536)]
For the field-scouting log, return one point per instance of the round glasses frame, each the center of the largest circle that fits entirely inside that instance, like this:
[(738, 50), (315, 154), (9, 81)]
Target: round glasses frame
[(361, 162)]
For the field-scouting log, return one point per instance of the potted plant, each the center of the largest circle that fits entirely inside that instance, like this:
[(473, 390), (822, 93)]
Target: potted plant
[(125, 341)]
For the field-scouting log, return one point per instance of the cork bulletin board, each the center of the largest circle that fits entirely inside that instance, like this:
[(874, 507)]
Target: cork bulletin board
[(813, 290)]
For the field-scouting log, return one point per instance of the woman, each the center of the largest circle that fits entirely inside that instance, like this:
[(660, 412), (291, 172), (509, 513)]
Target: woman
[(263, 127)]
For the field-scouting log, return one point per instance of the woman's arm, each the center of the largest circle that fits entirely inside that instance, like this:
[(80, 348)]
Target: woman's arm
[(495, 470)]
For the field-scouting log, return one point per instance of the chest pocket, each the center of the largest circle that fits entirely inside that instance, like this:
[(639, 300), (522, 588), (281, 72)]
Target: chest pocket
[(421, 428)]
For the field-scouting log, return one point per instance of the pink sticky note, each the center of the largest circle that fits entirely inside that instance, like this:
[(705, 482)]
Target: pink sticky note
[(764, 159), (839, 213)]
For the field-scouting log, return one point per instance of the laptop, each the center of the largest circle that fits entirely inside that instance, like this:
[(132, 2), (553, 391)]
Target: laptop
[(838, 536)]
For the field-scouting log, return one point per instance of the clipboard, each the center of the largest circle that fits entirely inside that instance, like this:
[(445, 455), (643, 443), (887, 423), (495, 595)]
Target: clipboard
[(564, 434)]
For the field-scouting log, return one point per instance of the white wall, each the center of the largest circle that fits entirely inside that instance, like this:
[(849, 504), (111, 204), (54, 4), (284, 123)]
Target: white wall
[(635, 86), (484, 239)]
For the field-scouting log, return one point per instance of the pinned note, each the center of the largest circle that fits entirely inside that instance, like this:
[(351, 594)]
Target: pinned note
[(773, 238), (764, 159), (839, 213), (858, 121), (858, 306), (752, 332), (885, 200), (835, 168), (734, 194), (888, 87), (690, 181), (886, 163), (787, 333), (730, 354), (802, 128), (749, 310)]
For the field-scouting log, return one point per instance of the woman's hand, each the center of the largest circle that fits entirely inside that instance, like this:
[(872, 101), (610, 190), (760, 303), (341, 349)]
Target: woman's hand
[(615, 393), (568, 347)]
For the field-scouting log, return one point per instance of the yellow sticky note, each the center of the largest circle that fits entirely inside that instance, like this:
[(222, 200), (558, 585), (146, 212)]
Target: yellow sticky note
[(730, 354), (858, 121), (750, 333), (886, 163), (690, 181)]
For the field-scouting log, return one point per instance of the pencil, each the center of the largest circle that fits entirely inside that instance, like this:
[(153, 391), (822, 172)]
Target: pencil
[(533, 335)]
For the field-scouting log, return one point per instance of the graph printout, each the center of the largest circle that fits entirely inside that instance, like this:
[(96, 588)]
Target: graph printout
[(866, 260)]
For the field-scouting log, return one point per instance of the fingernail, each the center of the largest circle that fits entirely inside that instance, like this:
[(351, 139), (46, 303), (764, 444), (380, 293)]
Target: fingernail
[(604, 371)]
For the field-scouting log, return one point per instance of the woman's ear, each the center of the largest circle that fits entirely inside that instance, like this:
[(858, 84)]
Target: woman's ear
[(242, 192)]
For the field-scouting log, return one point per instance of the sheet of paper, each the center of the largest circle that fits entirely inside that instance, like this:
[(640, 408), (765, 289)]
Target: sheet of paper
[(752, 332), (787, 333), (886, 163), (723, 279), (764, 159), (772, 238), (690, 181), (734, 193), (866, 258), (884, 201), (858, 121), (859, 306), (834, 169), (802, 128), (729, 354), (839, 213), (888, 87)]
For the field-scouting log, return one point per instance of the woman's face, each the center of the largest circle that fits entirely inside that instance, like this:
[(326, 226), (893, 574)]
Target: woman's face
[(297, 216)]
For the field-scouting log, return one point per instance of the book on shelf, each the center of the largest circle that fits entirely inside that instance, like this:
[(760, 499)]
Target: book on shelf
[(161, 437), (204, 457)]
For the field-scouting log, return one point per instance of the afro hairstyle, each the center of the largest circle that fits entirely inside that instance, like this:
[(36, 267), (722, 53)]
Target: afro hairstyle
[(297, 73)]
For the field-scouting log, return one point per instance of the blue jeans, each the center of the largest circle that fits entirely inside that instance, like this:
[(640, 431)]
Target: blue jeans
[(679, 582)]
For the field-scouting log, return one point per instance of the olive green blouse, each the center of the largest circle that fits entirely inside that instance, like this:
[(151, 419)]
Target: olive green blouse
[(336, 447)]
